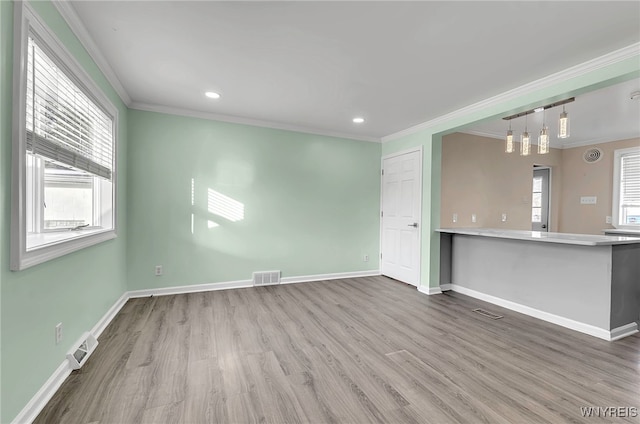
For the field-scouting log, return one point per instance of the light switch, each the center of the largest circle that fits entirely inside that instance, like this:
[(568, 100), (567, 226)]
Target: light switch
[(474, 218), (455, 217)]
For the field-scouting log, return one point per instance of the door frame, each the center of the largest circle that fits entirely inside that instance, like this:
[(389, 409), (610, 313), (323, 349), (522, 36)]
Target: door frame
[(550, 215), (418, 149)]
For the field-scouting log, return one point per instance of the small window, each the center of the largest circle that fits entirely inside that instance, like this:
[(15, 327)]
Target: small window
[(626, 188), (64, 181)]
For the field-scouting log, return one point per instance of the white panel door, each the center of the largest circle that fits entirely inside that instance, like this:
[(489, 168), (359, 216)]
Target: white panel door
[(401, 201)]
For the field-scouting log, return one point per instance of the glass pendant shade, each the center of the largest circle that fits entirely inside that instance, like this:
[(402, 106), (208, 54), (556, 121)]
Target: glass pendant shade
[(508, 147), (563, 125), (525, 144), (543, 141)]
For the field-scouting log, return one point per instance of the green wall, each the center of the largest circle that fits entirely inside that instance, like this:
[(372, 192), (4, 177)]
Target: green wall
[(77, 289), (310, 202)]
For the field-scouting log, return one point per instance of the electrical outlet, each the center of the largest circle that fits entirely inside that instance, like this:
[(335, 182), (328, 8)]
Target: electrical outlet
[(608, 220), (455, 217), (158, 270), (504, 217), (365, 258), (474, 218), (588, 200), (58, 333)]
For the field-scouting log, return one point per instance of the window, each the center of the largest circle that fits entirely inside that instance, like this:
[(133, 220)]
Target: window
[(63, 184), (626, 188)]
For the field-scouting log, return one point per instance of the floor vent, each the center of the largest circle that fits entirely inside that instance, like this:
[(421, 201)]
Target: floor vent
[(78, 357), (487, 314), (266, 278)]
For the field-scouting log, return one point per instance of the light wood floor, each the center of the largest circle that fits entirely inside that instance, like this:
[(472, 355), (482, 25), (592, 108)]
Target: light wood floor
[(353, 351)]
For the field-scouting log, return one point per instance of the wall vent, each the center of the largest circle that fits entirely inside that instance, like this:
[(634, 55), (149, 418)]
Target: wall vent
[(78, 356), (266, 278), (592, 155)]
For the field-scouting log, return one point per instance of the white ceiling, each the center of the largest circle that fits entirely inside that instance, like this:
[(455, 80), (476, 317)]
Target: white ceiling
[(600, 116), (316, 65)]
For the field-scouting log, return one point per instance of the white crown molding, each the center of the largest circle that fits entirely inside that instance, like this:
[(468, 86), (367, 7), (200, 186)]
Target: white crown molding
[(483, 134), (602, 140), (72, 19), (246, 121), (540, 84)]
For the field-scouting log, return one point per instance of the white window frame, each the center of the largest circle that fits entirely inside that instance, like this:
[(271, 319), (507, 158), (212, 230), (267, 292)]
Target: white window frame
[(26, 22), (615, 213)]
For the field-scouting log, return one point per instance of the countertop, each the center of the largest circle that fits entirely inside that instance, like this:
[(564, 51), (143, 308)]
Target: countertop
[(539, 236), (631, 233)]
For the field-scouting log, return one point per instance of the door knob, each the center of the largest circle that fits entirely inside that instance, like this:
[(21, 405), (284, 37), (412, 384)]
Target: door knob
[(414, 225), (543, 226)]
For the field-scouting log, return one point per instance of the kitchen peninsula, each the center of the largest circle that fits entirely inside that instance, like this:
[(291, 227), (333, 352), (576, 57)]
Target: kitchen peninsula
[(589, 283)]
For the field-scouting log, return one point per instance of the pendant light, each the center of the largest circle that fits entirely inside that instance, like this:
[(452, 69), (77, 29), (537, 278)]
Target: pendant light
[(563, 124), (543, 139), (508, 147), (525, 140)]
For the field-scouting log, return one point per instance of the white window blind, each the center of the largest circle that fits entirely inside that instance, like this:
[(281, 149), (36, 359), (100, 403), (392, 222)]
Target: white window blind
[(62, 122), (630, 180)]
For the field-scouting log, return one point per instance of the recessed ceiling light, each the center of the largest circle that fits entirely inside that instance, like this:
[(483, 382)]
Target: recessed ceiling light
[(358, 120), (212, 95)]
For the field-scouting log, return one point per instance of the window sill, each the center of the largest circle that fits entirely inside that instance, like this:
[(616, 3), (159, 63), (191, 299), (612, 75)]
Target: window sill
[(56, 244)]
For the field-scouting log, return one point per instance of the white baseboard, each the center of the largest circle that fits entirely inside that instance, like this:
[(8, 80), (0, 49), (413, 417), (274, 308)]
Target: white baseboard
[(324, 277), (44, 395), (589, 329), (164, 291), (244, 284), (429, 290), (445, 287), (623, 331), (108, 317)]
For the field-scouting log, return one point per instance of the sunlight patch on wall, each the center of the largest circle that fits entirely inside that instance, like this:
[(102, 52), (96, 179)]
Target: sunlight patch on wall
[(224, 206)]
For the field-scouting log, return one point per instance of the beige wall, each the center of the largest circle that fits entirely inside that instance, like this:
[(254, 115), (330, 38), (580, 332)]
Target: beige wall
[(479, 177), (588, 179)]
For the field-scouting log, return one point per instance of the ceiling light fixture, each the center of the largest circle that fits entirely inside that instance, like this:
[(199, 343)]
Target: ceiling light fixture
[(212, 95), (635, 95), (358, 120), (544, 144), (563, 124), (543, 139), (525, 140), (508, 146)]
